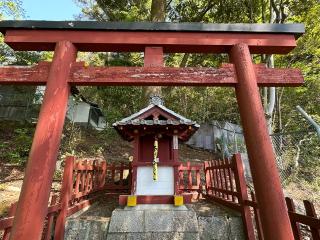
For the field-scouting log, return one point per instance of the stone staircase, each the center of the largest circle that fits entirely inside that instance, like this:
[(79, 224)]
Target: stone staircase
[(198, 221), (153, 222)]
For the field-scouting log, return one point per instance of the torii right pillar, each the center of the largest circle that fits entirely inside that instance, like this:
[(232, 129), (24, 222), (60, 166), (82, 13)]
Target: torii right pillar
[(274, 215)]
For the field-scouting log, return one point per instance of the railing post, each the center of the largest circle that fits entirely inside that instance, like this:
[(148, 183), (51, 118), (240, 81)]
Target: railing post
[(231, 178), (121, 174), (66, 193), (96, 174), (257, 217), (213, 178), (243, 196), (130, 176), (78, 178), (189, 176), (294, 225), (48, 232), (103, 174), (198, 184), (207, 176), (311, 212), (12, 211), (181, 178), (87, 177)]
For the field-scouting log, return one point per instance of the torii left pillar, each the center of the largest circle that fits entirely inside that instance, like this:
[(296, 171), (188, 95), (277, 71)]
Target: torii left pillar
[(33, 201)]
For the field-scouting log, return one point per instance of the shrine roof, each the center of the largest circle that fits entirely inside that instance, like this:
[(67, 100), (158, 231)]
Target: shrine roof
[(167, 121), (295, 29), (135, 120)]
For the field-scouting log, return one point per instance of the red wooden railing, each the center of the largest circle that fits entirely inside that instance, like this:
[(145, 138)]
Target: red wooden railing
[(95, 176), (310, 221), (6, 223), (225, 184), (118, 177), (190, 177), (53, 209), (82, 183)]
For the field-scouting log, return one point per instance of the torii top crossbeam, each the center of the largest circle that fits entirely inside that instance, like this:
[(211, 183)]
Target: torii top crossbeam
[(134, 37), (170, 37), (154, 39)]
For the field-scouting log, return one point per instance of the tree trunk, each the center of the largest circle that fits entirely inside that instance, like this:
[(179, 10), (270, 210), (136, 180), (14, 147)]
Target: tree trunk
[(271, 99), (158, 11), (158, 14), (270, 93)]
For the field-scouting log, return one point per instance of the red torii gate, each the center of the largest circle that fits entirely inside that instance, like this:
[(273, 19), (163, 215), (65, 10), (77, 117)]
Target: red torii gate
[(154, 39)]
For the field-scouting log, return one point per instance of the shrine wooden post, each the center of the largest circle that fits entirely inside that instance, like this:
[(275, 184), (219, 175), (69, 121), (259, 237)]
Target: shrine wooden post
[(65, 197), (33, 201), (266, 180)]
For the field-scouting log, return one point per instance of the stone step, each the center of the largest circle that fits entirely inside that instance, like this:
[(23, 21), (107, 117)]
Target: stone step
[(153, 222), (86, 228)]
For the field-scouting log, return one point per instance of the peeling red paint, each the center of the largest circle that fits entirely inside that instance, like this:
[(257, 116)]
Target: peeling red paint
[(150, 76)]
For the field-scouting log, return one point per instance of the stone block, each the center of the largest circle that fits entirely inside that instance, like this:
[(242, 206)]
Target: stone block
[(85, 229), (116, 236), (175, 236), (153, 236), (163, 207), (219, 228), (123, 221), (170, 221), (158, 221), (214, 228), (185, 221), (139, 236), (237, 232)]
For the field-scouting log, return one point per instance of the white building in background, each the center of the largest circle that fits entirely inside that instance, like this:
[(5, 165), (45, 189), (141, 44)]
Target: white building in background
[(222, 138), (80, 112), (85, 113), (23, 104)]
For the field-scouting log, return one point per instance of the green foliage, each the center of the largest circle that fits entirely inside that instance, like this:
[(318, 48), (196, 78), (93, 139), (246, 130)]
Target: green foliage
[(17, 140), (11, 8), (116, 10), (57, 176), (201, 104), (307, 58), (10, 57), (81, 141), (205, 104)]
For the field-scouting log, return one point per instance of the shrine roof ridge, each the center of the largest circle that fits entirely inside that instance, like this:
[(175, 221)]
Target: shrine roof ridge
[(135, 120), (296, 29)]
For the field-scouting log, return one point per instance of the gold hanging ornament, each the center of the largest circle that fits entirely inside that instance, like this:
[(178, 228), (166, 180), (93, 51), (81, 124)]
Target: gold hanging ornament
[(155, 159)]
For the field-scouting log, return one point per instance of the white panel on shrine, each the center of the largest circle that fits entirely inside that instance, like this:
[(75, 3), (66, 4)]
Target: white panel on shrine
[(147, 186)]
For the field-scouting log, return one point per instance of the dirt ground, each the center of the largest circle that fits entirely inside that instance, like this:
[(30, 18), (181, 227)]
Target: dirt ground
[(10, 185), (11, 178)]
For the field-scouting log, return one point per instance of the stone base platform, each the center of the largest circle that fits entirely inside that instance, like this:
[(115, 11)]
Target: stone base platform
[(202, 220), (153, 222)]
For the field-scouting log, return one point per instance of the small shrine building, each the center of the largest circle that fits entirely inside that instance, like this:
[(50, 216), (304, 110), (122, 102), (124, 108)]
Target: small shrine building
[(155, 132)]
